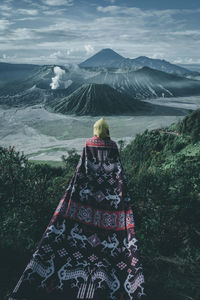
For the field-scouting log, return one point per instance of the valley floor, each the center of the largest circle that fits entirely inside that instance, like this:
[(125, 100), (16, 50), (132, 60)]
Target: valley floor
[(45, 136)]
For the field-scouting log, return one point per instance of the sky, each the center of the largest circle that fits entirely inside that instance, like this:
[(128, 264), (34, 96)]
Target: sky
[(70, 31)]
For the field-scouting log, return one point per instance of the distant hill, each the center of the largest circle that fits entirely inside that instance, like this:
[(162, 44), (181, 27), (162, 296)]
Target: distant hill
[(107, 58), (28, 97), (148, 83), (35, 87), (40, 76), (190, 125), (193, 67), (157, 64), (97, 99), (10, 72)]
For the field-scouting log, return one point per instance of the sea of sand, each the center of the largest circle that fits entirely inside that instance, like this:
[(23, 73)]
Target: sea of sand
[(46, 136)]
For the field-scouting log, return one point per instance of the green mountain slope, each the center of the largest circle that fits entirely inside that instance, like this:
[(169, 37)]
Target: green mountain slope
[(162, 168)]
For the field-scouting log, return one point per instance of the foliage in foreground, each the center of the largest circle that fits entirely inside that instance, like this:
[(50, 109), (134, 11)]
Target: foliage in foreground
[(29, 195), (162, 168), (163, 178)]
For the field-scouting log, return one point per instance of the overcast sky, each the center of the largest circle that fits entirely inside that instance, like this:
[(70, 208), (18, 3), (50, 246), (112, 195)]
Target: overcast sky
[(66, 31)]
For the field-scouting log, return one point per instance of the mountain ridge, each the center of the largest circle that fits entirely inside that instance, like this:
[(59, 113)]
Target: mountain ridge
[(146, 83), (100, 60), (33, 84)]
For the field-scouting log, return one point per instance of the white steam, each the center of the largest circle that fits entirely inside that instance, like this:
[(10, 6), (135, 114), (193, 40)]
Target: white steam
[(56, 80), (68, 83)]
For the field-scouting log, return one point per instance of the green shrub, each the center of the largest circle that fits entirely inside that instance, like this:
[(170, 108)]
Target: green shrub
[(164, 185)]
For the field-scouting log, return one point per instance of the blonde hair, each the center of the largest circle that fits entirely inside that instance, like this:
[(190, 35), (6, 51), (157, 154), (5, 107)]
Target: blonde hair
[(101, 128)]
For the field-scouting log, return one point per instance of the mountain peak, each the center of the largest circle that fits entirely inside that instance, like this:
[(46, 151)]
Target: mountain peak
[(105, 57), (108, 50), (142, 57)]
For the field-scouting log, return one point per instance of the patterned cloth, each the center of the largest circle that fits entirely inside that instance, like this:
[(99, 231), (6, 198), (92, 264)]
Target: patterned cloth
[(89, 249)]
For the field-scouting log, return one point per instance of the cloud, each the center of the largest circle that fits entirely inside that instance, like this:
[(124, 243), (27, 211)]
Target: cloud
[(5, 10), (89, 49), (28, 1), (54, 12), (6, 58), (5, 14), (56, 36), (5, 7), (23, 34), (108, 9), (4, 24), (58, 2), (30, 12), (158, 55), (186, 32), (60, 55), (186, 60), (135, 11), (111, 1), (8, 1), (26, 19), (70, 53)]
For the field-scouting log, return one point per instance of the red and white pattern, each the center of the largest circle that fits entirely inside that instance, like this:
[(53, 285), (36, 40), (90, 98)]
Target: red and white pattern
[(113, 220), (92, 257), (98, 142), (62, 252), (77, 255), (121, 265), (134, 261)]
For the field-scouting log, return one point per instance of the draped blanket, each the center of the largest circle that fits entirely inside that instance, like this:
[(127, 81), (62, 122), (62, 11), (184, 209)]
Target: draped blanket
[(89, 249)]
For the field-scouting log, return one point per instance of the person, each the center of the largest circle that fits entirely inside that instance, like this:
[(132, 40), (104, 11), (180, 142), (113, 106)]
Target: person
[(89, 249)]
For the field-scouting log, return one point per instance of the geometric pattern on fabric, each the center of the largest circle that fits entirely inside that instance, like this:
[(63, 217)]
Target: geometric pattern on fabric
[(94, 240), (114, 220)]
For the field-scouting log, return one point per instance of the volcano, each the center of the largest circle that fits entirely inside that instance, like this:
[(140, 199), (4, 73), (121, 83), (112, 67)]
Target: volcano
[(101, 99)]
